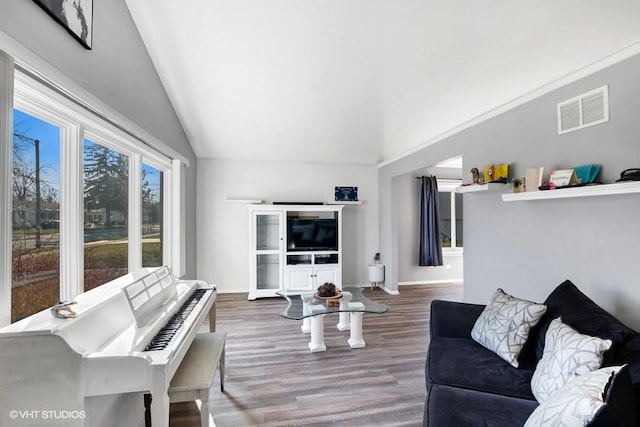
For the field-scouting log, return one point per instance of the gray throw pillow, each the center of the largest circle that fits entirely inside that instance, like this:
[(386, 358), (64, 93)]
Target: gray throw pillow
[(577, 402), (504, 325), (567, 354)]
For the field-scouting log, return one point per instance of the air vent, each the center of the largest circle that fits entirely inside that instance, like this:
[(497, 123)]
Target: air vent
[(585, 110)]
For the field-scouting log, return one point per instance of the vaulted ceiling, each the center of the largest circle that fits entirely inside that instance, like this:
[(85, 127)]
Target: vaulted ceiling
[(362, 81)]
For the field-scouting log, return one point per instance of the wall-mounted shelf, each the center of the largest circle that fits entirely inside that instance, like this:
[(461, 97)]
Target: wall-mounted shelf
[(334, 202), (243, 201), (492, 186), (587, 191)]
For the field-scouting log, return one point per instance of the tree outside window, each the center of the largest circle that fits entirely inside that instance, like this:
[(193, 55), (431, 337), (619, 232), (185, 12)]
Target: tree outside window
[(35, 221), (106, 201), (152, 224)]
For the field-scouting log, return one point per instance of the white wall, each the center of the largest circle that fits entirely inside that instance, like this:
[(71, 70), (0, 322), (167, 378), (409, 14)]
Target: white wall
[(223, 228)]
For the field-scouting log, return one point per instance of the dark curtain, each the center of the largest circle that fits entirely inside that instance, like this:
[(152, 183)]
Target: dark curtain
[(430, 243)]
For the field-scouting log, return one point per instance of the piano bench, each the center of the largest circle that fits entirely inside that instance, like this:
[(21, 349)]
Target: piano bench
[(195, 374)]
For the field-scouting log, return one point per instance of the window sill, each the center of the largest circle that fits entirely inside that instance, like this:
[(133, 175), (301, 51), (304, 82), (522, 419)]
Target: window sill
[(452, 252)]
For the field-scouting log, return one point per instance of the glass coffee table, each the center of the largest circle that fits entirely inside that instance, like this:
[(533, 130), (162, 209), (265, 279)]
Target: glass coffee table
[(303, 305)]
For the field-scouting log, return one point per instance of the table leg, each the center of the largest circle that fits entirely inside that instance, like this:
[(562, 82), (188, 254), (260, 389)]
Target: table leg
[(356, 340), (317, 334), (343, 322), (204, 410), (212, 317), (306, 325)]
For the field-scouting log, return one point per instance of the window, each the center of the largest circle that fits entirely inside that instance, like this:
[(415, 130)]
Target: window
[(152, 208), (451, 216), (458, 219), (106, 206), (84, 189), (35, 220)]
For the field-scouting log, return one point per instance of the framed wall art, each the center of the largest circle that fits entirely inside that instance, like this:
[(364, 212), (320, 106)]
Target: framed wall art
[(75, 16), (346, 194)]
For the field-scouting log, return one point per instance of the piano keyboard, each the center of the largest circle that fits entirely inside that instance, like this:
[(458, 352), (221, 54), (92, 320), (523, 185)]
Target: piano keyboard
[(163, 338)]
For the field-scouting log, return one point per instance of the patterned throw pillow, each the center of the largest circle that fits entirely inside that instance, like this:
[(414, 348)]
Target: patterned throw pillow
[(567, 353), (504, 325), (577, 402)]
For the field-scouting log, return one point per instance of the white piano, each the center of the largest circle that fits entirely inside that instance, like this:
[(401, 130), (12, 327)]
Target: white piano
[(94, 369)]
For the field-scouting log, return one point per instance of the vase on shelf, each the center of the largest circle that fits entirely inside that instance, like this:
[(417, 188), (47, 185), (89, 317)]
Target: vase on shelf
[(518, 185)]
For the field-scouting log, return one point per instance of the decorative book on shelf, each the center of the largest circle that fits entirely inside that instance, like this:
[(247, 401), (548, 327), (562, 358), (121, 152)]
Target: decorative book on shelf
[(587, 174), (563, 178), (579, 176), (533, 180)]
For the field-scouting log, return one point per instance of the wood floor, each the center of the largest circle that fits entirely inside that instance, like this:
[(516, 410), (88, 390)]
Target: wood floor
[(272, 379)]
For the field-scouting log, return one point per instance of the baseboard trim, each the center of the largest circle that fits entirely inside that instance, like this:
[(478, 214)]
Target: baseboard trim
[(245, 291), (357, 285), (431, 282), (232, 291), (368, 285), (365, 285)]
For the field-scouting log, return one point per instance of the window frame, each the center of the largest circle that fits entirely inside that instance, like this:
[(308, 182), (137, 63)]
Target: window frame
[(166, 253), (77, 123), (449, 186)]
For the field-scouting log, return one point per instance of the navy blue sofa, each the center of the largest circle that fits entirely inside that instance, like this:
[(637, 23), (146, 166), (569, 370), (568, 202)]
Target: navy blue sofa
[(468, 385)]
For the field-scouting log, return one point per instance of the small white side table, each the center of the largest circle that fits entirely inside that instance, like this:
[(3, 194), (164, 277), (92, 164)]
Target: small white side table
[(376, 274)]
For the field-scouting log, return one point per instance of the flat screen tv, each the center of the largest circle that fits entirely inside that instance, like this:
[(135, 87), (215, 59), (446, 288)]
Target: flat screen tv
[(312, 234)]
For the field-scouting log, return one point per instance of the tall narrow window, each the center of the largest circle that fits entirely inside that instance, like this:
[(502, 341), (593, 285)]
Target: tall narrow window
[(459, 219), (152, 225), (106, 244), (451, 217), (445, 218), (35, 255)]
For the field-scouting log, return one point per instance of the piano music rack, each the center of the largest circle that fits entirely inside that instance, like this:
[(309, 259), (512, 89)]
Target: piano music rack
[(150, 292)]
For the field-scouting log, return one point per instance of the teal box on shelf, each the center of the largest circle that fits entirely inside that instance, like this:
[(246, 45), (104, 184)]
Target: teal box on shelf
[(587, 173)]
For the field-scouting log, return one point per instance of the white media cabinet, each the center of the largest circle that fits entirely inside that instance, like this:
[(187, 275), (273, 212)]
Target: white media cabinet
[(275, 266)]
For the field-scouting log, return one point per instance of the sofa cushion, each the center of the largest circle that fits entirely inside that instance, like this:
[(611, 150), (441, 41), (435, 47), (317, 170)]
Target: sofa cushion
[(453, 319), (582, 314), (619, 407), (504, 325), (602, 397), (567, 354), (461, 362), (630, 355), (458, 407)]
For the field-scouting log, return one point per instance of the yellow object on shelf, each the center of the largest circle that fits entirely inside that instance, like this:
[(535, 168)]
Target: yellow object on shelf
[(494, 173)]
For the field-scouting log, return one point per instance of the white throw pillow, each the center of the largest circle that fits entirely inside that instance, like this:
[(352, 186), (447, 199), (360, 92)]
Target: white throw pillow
[(503, 326), (576, 403), (567, 353)]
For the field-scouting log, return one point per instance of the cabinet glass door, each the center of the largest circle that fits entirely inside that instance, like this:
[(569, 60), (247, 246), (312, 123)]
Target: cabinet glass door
[(268, 271), (268, 232)]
